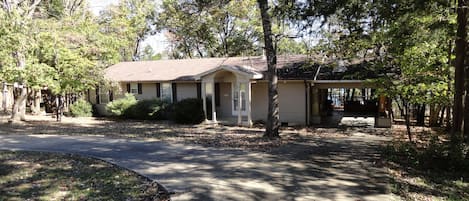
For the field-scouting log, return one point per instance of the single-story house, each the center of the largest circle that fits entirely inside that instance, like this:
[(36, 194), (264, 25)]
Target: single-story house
[(237, 86)]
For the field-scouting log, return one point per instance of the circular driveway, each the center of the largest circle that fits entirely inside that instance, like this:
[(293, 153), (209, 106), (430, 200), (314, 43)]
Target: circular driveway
[(317, 169)]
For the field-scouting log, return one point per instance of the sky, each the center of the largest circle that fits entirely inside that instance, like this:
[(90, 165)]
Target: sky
[(158, 42)]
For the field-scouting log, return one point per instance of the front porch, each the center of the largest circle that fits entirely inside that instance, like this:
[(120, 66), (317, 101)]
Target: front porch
[(227, 94)]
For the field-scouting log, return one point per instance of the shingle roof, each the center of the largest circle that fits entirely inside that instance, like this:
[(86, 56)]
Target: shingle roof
[(186, 69)]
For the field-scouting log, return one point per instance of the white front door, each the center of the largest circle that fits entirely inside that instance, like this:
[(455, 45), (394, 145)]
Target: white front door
[(236, 92)]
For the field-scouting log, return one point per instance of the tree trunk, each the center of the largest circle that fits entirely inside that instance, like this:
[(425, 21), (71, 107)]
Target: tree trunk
[(434, 114), (36, 104), (401, 109), (441, 116), (273, 124), (448, 118), (450, 87), (59, 103), (462, 42), (421, 115), (407, 120), (136, 53), (19, 105), (459, 69), (19, 102), (5, 97)]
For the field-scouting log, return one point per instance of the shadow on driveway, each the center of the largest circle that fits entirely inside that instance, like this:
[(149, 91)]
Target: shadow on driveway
[(317, 168)]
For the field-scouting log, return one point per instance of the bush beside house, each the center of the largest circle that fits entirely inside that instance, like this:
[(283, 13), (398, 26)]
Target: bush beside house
[(119, 106), (81, 108), (147, 110), (187, 111)]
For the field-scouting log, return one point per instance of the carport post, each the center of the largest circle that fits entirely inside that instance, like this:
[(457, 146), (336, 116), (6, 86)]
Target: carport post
[(316, 117), (204, 101), (248, 102), (239, 102), (214, 111)]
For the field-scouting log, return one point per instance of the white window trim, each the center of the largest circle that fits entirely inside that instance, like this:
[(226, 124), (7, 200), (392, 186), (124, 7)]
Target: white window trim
[(233, 92), (134, 88), (169, 96), (104, 96)]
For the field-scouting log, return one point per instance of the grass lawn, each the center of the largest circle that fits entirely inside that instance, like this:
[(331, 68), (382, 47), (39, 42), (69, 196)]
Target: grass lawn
[(51, 176)]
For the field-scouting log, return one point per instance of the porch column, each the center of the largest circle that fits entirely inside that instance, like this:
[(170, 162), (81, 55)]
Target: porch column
[(214, 112), (203, 96), (239, 102), (316, 117), (248, 102)]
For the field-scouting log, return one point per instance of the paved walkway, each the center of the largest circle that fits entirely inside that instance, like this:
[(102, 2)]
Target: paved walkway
[(319, 169)]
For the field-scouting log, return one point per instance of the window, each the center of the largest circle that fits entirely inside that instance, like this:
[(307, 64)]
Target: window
[(166, 92), (134, 88), (104, 96), (242, 89)]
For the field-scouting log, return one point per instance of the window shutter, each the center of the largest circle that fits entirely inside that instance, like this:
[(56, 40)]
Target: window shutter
[(128, 87), (158, 90), (97, 96), (199, 90), (175, 97), (111, 95), (217, 94), (139, 86)]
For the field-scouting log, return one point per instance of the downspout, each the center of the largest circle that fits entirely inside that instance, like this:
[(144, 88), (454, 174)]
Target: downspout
[(306, 103)]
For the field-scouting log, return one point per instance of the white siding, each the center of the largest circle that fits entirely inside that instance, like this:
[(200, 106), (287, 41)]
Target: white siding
[(186, 90), (291, 102), (148, 91)]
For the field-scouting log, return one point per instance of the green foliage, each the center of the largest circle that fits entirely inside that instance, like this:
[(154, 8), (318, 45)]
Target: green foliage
[(81, 108), (120, 106), (211, 28), (147, 110), (290, 46), (131, 108), (61, 47), (128, 24), (434, 156), (148, 54), (189, 111)]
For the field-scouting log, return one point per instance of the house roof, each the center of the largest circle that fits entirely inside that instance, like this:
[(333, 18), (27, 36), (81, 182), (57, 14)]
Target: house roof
[(289, 67), (243, 70), (188, 69)]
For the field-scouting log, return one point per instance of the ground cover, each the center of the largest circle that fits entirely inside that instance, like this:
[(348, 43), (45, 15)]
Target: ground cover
[(424, 170), (52, 176)]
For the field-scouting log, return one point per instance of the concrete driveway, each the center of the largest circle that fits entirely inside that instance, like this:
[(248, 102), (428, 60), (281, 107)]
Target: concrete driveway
[(317, 169)]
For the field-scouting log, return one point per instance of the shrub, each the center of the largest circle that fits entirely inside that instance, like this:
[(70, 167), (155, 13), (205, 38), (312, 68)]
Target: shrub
[(81, 108), (119, 106), (147, 110), (188, 111)]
